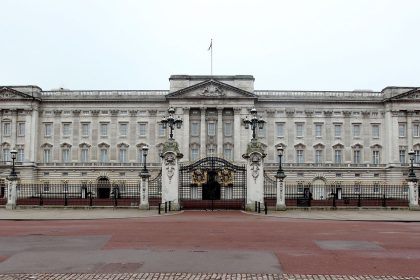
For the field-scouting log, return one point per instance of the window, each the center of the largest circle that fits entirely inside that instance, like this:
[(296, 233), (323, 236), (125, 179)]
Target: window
[(104, 129), (141, 155), (261, 132), (20, 155), (300, 156), (318, 130), (375, 130), (85, 129), (211, 129), (6, 154), (103, 157), (356, 156), (228, 129), (47, 155), (84, 153), (337, 156), (401, 129), (417, 156), (123, 154), (123, 129), (7, 129), (416, 130), (375, 157), (66, 129), (194, 154), (194, 192), (142, 129), (195, 129), (66, 154), (356, 130), (228, 193), (48, 129), (21, 129), (337, 130), (228, 153), (211, 151), (161, 130), (280, 129), (402, 156), (318, 156), (299, 130)]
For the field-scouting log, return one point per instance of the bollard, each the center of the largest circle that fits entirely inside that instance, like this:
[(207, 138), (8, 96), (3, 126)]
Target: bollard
[(41, 201), (166, 207), (334, 204), (159, 208), (265, 208), (384, 201), (259, 207), (65, 199), (169, 206), (90, 199), (359, 202), (256, 207)]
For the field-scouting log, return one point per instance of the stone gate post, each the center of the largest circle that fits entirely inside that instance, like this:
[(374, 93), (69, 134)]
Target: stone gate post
[(254, 174), (11, 192), (144, 190), (170, 173), (413, 194), (281, 197)]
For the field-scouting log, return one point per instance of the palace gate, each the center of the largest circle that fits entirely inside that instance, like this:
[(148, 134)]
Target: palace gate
[(212, 183)]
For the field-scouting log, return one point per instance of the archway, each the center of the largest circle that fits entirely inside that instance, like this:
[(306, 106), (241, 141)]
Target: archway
[(319, 191), (211, 190), (103, 188)]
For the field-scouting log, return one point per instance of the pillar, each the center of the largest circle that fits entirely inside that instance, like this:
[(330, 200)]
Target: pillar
[(281, 198), (11, 192), (186, 136), (220, 132), (203, 135), (237, 134), (144, 191), (170, 173), (413, 195)]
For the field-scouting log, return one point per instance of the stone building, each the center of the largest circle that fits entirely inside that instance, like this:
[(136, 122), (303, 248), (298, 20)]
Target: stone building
[(329, 136)]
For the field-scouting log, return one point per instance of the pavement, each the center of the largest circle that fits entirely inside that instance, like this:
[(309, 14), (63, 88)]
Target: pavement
[(404, 215)]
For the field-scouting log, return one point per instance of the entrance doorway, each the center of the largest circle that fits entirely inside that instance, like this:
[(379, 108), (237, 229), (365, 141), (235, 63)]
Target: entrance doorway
[(211, 190), (103, 188)]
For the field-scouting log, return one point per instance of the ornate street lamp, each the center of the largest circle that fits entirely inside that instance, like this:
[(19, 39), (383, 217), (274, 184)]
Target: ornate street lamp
[(13, 154), (145, 150), (280, 173), (254, 122), (171, 122), (411, 175)]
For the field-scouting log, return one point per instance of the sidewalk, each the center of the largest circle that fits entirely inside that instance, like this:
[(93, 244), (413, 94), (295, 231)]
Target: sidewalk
[(121, 213)]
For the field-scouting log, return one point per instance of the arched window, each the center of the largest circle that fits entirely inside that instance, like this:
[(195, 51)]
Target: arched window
[(376, 154), (338, 153), (6, 151), (300, 153), (357, 153), (103, 152), (84, 152), (194, 151), (123, 152), (47, 152), (319, 153), (65, 152)]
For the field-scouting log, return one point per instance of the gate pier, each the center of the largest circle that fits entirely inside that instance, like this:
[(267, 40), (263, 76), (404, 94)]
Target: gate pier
[(170, 173)]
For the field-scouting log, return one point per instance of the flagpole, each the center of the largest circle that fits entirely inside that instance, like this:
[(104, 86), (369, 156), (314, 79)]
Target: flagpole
[(211, 55)]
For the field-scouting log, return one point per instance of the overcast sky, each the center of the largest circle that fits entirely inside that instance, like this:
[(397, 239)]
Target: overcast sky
[(299, 45)]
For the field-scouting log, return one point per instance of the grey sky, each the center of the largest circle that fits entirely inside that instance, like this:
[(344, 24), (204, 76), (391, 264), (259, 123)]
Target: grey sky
[(306, 45)]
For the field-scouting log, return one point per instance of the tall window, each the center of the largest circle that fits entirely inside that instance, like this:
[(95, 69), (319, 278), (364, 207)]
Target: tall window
[(142, 129), (402, 156), (20, 154), (337, 130), (123, 153), (161, 130), (211, 129), (261, 132), (318, 156), (48, 129), (84, 153), (300, 156), (375, 157), (123, 129), (211, 151), (7, 128), (227, 153), (280, 129), (417, 156), (194, 153), (104, 129), (356, 130), (65, 153), (228, 129), (356, 156), (338, 156), (103, 157), (416, 130), (66, 129), (195, 129), (21, 129), (6, 154), (402, 129), (299, 130), (85, 129), (318, 130), (140, 155), (375, 130), (47, 155)]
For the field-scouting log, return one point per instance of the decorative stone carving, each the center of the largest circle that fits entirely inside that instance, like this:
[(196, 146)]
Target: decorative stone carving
[(225, 177), (290, 112), (254, 147), (328, 113), (57, 112), (114, 112), (95, 113), (213, 91), (133, 113), (199, 177), (169, 162), (255, 166), (347, 114), (76, 113)]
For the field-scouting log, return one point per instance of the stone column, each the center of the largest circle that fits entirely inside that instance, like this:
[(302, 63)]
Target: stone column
[(203, 135), (413, 195), (170, 173), (144, 190), (237, 134), (14, 115), (186, 140), (11, 192), (254, 174)]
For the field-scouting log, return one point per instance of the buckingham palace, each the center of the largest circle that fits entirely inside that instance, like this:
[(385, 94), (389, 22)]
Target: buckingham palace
[(330, 136)]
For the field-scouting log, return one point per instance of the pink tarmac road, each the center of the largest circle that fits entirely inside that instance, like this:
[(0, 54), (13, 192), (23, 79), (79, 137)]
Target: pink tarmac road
[(298, 246)]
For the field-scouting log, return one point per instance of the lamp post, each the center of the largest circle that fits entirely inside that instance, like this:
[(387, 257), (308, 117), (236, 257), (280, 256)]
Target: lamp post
[(280, 173), (144, 183), (171, 121), (13, 154), (411, 174), (254, 122), (145, 150)]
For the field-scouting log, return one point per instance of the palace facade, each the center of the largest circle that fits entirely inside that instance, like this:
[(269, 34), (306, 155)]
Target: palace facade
[(333, 136)]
